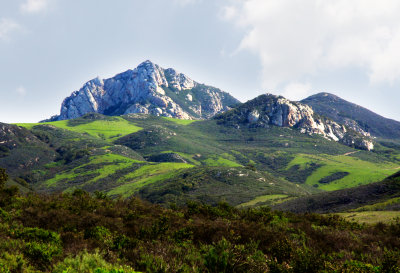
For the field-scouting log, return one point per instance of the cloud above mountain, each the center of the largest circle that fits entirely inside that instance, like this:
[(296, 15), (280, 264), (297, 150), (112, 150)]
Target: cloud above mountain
[(7, 26), (33, 6), (296, 38)]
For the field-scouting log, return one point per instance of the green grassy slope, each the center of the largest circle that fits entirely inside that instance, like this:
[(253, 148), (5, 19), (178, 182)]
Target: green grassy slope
[(109, 128), (114, 154), (380, 195), (371, 217), (360, 172)]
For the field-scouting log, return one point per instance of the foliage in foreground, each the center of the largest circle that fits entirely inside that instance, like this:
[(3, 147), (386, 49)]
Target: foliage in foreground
[(78, 232)]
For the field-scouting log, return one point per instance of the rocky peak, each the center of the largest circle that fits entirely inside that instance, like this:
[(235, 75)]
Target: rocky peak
[(148, 89), (268, 109), (356, 117)]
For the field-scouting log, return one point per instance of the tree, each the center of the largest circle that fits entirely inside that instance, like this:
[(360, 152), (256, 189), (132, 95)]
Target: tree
[(3, 177)]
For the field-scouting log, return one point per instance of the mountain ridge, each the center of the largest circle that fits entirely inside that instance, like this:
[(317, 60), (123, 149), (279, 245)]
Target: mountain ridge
[(271, 110), (352, 115), (148, 89)]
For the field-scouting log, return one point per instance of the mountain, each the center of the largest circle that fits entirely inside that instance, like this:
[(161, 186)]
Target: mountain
[(270, 110), (147, 89), (383, 195), (354, 116)]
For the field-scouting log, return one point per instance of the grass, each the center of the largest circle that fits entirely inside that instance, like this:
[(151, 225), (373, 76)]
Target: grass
[(380, 205), (117, 162), (220, 162), (180, 121), (371, 217), (146, 175), (264, 198), (360, 172), (105, 129)]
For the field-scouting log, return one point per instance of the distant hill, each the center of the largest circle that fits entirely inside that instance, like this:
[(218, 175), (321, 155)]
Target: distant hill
[(148, 89), (353, 115), (271, 110), (374, 195)]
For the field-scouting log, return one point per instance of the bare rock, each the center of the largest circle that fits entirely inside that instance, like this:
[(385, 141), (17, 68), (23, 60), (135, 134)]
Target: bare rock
[(145, 90)]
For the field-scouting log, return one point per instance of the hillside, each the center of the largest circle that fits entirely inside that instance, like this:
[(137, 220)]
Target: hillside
[(384, 195), (172, 160), (79, 232), (270, 110), (21, 151), (148, 89), (353, 115)]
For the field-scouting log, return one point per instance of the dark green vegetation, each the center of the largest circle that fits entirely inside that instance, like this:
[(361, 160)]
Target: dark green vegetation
[(79, 232), (210, 185), (340, 110), (384, 195), (170, 160)]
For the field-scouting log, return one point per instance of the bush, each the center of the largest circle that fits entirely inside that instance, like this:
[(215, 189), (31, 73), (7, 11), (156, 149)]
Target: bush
[(86, 262), (40, 235), (12, 263), (227, 257), (41, 253), (3, 177)]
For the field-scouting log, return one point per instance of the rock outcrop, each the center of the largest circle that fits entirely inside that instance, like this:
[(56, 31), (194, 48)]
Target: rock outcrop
[(147, 89), (358, 118), (268, 109)]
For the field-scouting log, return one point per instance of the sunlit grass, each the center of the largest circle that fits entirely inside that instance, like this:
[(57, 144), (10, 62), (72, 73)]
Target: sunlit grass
[(360, 172), (105, 129)]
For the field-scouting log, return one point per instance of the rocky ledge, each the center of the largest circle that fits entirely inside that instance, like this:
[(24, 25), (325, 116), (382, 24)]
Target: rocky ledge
[(268, 109)]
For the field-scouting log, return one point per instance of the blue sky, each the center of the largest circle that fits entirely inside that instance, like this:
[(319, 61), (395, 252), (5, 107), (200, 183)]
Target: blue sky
[(49, 48)]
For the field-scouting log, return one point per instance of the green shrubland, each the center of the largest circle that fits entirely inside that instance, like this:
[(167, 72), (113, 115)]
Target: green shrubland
[(80, 232)]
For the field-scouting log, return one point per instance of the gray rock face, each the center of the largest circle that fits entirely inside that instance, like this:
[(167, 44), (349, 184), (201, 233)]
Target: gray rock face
[(269, 109), (147, 89), (353, 116)]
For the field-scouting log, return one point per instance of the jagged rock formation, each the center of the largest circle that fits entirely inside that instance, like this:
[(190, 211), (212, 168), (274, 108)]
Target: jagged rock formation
[(147, 89), (269, 109), (353, 116)]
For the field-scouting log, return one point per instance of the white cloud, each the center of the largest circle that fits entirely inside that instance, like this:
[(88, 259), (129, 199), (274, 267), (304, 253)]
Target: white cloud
[(186, 2), (21, 91), (296, 38), (34, 6), (297, 91), (6, 27)]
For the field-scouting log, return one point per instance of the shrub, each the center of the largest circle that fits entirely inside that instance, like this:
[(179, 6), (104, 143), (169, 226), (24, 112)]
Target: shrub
[(391, 262), (12, 263), (359, 267), (224, 256), (40, 235), (86, 262), (3, 177), (41, 253), (99, 233)]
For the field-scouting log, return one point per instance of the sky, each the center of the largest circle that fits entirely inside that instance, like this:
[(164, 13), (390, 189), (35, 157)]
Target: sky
[(294, 48)]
